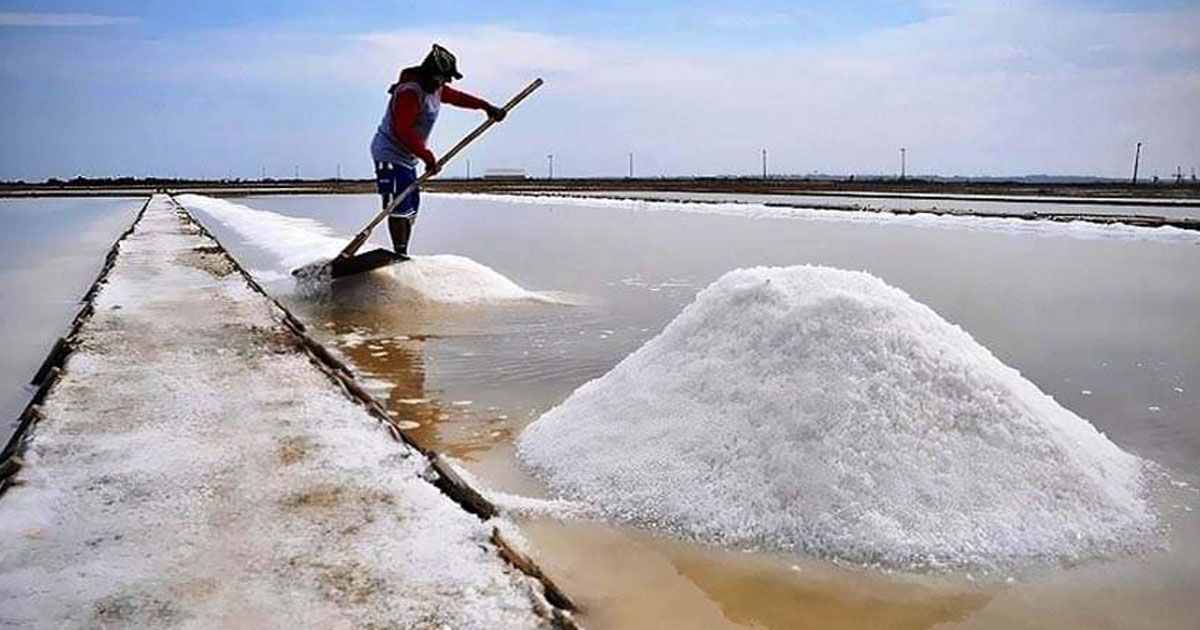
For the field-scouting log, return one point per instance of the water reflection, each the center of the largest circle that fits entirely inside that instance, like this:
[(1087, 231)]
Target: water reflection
[(394, 367), (770, 591)]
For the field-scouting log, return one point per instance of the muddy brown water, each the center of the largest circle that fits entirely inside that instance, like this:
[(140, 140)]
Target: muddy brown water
[(1108, 327)]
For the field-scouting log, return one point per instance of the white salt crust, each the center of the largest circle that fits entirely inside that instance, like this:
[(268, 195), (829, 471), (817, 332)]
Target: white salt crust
[(1015, 225)]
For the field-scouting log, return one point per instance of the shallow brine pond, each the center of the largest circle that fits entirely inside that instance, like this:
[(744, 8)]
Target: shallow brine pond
[(50, 252), (1105, 321)]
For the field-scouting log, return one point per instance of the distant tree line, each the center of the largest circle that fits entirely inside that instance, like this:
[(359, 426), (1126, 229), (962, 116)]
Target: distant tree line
[(772, 181)]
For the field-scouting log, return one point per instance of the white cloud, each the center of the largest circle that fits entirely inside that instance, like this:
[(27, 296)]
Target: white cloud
[(10, 18)]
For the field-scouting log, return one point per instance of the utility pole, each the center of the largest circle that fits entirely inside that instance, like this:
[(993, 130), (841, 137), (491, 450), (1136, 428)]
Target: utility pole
[(296, 171), (468, 168), (1178, 175), (764, 163), (903, 165), (630, 165), (1137, 156), (264, 173), (339, 170), (551, 158)]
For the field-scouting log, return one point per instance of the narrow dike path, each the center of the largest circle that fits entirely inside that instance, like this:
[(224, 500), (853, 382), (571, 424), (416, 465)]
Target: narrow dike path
[(199, 462)]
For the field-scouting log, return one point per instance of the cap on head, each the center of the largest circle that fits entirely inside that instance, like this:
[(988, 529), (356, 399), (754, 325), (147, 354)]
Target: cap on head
[(441, 62)]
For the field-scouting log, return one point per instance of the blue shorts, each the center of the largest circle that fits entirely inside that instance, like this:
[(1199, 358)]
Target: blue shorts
[(390, 180)]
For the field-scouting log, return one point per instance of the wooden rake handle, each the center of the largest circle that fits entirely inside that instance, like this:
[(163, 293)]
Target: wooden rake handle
[(361, 238)]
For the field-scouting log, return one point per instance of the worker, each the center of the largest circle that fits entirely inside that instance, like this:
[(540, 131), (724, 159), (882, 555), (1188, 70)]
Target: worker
[(400, 140)]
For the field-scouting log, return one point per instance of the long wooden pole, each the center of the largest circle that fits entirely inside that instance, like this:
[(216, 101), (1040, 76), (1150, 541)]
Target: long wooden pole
[(361, 238)]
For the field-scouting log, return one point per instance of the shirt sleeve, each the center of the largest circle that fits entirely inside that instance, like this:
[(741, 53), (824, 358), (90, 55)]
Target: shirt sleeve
[(461, 99), (404, 115)]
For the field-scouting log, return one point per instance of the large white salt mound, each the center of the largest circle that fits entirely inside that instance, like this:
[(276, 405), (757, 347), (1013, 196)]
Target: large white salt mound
[(824, 411)]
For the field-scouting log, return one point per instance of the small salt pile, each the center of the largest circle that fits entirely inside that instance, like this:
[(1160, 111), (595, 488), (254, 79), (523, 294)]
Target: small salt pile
[(823, 411), (305, 245)]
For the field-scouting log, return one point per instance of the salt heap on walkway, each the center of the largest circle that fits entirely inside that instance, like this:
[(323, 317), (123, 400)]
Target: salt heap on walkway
[(824, 411), (299, 241)]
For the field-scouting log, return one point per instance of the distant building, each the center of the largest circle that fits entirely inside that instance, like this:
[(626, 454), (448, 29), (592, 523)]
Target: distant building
[(505, 173)]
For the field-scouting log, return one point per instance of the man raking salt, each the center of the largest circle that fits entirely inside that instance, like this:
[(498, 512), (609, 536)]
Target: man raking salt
[(399, 142)]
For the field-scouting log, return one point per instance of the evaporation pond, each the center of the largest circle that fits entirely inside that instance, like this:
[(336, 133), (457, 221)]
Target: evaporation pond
[(557, 292)]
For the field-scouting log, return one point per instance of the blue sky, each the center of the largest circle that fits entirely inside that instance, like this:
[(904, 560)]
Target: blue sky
[(217, 89)]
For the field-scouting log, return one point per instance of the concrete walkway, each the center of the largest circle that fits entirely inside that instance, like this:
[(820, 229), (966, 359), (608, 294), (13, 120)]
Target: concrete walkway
[(195, 468)]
